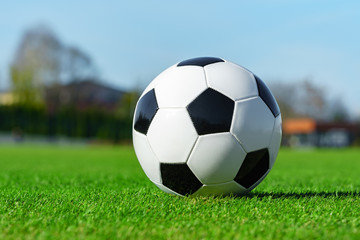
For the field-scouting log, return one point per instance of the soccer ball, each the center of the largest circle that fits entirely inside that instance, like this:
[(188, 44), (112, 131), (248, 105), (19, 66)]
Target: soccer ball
[(206, 126)]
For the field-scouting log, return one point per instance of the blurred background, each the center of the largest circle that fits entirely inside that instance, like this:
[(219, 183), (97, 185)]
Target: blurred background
[(72, 71)]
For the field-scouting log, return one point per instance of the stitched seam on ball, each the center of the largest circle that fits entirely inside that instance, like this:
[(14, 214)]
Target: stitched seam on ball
[(206, 80), (221, 183), (157, 158), (245, 98), (192, 149)]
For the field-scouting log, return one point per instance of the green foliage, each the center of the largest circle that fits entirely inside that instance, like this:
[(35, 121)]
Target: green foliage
[(90, 124), (127, 105), (42, 61), (25, 90), (102, 193)]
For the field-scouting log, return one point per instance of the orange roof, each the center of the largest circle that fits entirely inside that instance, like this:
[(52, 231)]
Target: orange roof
[(299, 125)]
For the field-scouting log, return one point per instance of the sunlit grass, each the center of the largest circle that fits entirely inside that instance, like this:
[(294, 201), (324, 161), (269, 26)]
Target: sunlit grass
[(49, 192)]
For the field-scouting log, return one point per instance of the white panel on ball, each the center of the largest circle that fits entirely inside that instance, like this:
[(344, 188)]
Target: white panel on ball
[(216, 158), (178, 86), (252, 124), (275, 141), (158, 79), (231, 80), (172, 135), (167, 190), (148, 161), (223, 189)]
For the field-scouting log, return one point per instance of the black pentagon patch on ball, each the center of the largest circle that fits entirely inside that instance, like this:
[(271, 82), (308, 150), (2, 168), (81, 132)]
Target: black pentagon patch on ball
[(267, 97), (179, 178), (201, 61), (211, 112), (145, 112), (255, 165)]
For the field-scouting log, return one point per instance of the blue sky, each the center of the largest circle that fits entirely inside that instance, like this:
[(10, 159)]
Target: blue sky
[(133, 41)]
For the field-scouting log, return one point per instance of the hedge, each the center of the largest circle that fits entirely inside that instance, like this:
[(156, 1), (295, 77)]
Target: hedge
[(90, 124)]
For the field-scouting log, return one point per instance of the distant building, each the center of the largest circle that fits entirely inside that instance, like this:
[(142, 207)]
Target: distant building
[(306, 132), (84, 95), (337, 134), (299, 132)]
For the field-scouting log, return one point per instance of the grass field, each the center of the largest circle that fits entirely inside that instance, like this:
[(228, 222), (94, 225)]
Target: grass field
[(52, 192)]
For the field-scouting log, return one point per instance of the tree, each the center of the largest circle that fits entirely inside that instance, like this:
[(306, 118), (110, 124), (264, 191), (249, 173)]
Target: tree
[(338, 111), (312, 100), (284, 94), (41, 61), (127, 105), (36, 64), (77, 65), (305, 99), (25, 90), (40, 51)]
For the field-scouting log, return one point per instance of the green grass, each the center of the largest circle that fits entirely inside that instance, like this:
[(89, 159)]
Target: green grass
[(52, 192)]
